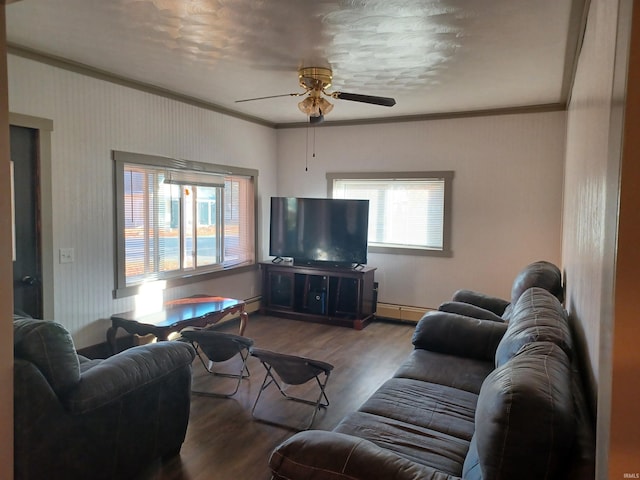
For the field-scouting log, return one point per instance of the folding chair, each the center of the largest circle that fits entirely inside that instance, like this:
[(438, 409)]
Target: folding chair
[(219, 347), (292, 370)]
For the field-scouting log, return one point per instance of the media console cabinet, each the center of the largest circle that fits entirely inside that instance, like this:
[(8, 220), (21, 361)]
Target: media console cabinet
[(333, 295)]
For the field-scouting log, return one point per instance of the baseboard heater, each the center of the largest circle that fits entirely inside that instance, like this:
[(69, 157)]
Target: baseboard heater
[(251, 305), (404, 313)]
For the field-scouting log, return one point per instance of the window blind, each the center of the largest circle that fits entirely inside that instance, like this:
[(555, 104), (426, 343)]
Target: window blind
[(402, 212), (179, 223)]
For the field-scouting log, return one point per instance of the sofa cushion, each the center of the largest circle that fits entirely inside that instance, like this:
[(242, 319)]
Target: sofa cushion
[(471, 469), (435, 407), (487, 302), (49, 346), (469, 310), (131, 371), (316, 454), (524, 417), (423, 422), (537, 316), (87, 364), (421, 445), (457, 372), (458, 335), (540, 274)]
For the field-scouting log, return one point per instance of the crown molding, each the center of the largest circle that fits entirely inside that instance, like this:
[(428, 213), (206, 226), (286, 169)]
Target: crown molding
[(99, 74), (83, 69), (549, 107)]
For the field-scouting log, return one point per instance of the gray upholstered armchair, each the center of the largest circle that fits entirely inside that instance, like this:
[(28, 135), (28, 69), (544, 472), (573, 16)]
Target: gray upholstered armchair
[(76, 418)]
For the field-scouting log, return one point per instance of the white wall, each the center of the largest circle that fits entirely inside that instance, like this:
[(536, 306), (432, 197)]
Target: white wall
[(91, 118), (507, 193)]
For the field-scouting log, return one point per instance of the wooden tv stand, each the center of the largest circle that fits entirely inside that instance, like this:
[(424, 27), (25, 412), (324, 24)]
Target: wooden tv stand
[(333, 295)]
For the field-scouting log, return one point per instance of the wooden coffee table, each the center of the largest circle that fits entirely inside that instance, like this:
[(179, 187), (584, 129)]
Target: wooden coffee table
[(196, 311)]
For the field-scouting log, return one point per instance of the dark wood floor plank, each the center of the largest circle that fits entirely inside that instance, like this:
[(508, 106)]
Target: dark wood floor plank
[(224, 442)]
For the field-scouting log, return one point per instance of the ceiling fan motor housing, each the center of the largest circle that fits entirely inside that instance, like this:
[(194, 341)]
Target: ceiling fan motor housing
[(315, 78)]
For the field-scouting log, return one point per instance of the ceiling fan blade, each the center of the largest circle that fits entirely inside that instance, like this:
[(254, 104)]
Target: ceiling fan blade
[(271, 96), (355, 97)]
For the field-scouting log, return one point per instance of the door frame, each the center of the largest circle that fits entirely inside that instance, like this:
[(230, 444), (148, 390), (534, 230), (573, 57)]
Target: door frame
[(44, 127)]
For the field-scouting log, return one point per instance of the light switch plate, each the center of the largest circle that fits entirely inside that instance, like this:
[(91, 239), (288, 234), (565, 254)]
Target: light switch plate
[(67, 255)]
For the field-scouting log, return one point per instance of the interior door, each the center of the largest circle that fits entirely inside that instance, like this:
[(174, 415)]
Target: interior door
[(27, 267)]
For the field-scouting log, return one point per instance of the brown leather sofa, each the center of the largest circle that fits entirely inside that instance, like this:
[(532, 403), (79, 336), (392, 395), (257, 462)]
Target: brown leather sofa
[(76, 418), (476, 399)]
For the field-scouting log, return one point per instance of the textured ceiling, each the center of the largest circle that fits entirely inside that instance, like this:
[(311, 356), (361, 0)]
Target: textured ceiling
[(431, 56)]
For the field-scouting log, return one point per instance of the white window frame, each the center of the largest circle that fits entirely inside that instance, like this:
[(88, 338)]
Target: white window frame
[(187, 174), (445, 176)]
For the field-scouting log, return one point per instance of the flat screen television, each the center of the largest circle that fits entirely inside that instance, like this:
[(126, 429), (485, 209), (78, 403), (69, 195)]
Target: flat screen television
[(319, 230)]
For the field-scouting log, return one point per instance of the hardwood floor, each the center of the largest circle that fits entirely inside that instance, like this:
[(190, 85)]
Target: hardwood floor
[(224, 442)]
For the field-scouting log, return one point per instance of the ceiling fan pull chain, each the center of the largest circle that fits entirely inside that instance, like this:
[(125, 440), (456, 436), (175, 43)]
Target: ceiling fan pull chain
[(314, 143), (306, 152)]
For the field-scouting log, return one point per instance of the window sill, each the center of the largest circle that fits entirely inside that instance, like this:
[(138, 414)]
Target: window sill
[(405, 250), (185, 280)]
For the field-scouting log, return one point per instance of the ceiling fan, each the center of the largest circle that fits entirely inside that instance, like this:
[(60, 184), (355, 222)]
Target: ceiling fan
[(315, 81)]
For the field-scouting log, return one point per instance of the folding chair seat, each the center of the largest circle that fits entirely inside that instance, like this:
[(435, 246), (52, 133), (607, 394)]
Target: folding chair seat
[(292, 370), (219, 347)]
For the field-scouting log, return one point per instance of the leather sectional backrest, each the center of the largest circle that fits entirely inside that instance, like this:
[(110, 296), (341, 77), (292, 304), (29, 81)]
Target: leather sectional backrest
[(538, 274), (50, 348), (537, 316), (524, 417)]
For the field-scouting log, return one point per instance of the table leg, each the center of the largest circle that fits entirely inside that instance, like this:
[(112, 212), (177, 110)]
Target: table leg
[(162, 335), (111, 339), (244, 317)]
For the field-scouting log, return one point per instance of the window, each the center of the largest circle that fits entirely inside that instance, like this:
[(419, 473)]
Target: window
[(408, 212), (178, 220)]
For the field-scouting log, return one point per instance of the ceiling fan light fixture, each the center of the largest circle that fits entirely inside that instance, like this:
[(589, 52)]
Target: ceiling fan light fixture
[(325, 106), (308, 107), (315, 106)]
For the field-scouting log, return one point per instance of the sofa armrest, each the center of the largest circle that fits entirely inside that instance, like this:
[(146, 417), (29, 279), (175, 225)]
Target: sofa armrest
[(320, 455), (458, 335), (127, 371), (470, 310), (493, 304)]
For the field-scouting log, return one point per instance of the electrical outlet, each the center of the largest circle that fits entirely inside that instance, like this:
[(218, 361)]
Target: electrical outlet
[(67, 255)]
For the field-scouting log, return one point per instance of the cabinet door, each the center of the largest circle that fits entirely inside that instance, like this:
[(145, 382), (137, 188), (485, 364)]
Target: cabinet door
[(311, 293), (347, 297), (281, 289)]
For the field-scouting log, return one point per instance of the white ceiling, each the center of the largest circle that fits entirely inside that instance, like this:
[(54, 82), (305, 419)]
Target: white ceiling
[(433, 57)]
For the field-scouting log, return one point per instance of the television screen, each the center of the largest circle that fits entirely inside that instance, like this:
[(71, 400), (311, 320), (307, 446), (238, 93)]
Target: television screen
[(319, 230)]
